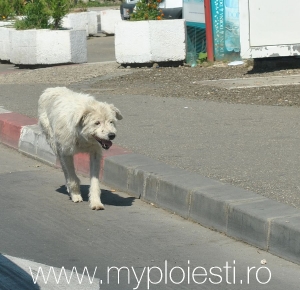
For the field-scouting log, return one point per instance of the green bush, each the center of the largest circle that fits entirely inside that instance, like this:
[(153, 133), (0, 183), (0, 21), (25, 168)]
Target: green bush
[(79, 5), (58, 8), (5, 9), (37, 15), (18, 6), (41, 14), (147, 10)]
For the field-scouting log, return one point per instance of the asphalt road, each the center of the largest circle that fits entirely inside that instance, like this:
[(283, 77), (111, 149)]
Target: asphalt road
[(249, 146), (40, 224), (101, 48)]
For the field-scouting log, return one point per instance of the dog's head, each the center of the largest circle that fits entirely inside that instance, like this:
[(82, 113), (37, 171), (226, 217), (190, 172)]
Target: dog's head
[(98, 123)]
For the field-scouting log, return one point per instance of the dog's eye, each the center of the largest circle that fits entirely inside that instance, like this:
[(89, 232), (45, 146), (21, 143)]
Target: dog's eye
[(97, 123)]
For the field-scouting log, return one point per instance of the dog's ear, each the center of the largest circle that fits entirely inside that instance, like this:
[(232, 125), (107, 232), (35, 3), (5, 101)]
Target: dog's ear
[(81, 116), (117, 111)]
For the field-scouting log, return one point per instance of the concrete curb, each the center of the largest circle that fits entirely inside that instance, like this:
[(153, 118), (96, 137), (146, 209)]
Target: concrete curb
[(241, 214)]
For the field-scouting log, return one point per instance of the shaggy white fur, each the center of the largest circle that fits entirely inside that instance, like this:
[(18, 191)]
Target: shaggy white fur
[(72, 123)]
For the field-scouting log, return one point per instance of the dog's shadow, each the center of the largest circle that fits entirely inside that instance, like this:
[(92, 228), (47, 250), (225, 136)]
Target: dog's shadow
[(107, 196)]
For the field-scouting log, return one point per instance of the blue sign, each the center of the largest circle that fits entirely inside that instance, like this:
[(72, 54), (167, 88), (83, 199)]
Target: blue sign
[(226, 29)]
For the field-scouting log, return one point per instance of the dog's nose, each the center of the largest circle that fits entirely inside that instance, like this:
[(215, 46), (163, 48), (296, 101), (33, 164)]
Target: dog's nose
[(111, 136)]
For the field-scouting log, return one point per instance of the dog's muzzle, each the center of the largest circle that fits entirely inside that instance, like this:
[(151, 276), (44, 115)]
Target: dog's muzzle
[(106, 144)]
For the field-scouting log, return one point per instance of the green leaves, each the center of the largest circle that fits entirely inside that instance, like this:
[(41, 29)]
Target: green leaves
[(202, 56), (147, 10), (19, 6), (58, 8), (41, 14), (37, 15), (5, 9)]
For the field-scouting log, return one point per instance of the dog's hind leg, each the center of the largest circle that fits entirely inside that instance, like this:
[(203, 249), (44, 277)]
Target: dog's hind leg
[(47, 130), (72, 181), (95, 191)]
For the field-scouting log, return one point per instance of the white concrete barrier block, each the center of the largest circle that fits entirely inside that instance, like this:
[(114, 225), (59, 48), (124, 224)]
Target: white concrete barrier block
[(6, 23), (65, 22), (77, 21), (132, 42), (5, 43), (23, 46), (43, 46), (168, 40), (150, 41), (108, 20), (92, 22), (52, 46), (78, 44)]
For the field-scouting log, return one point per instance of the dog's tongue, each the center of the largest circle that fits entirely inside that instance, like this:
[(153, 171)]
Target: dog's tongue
[(106, 144)]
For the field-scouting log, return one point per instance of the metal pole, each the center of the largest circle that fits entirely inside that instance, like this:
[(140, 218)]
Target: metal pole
[(209, 31)]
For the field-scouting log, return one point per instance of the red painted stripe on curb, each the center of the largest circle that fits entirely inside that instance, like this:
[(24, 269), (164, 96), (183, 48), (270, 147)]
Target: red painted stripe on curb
[(82, 160), (115, 150), (10, 127), (82, 163), (10, 131)]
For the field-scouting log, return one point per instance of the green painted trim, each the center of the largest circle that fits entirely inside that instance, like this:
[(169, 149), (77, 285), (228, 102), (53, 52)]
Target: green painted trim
[(196, 24)]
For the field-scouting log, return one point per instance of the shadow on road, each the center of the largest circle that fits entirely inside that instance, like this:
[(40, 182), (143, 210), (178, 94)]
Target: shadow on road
[(107, 197)]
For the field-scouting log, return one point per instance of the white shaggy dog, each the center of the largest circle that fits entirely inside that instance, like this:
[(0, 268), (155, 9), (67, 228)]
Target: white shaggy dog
[(73, 123)]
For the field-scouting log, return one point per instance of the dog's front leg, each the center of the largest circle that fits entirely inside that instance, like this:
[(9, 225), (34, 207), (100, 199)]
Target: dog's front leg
[(95, 191), (72, 181)]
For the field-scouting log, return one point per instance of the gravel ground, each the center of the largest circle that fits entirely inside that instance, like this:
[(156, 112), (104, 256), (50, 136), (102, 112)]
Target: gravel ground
[(62, 75), (183, 81), (166, 81)]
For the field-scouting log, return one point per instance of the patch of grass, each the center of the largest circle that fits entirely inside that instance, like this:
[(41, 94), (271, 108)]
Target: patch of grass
[(202, 57)]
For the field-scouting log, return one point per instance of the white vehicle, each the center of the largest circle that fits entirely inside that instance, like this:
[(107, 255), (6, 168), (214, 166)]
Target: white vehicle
[(172, 9)]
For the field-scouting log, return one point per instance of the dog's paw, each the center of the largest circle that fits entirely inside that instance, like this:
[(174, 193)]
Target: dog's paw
[(76, 197), (96, 205)]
